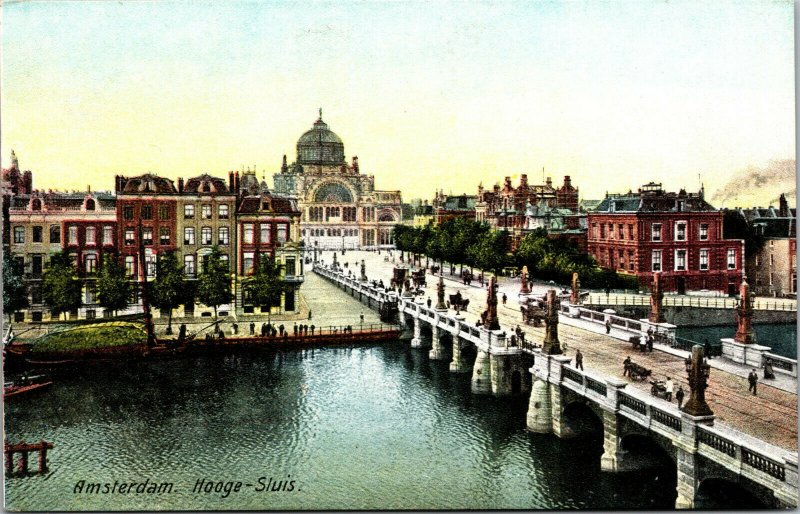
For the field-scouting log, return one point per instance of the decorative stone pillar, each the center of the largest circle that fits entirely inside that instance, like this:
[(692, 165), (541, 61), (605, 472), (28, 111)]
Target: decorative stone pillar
[(524, 289), (687, 477), (490, 321), (744, 315), (787, 495), (457, 365), (698, 371), (440, 305), (575, 295), (416, 341), (363, 271), (656, 298), (437, 351), (551, 345), (481, 373)]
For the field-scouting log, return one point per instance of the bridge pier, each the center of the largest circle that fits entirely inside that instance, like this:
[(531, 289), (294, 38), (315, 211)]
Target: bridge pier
[(540, 409), (544, 406), (416, 341), (689, 474), (613, 456), (481, 373), (437, 351), (457, 365)]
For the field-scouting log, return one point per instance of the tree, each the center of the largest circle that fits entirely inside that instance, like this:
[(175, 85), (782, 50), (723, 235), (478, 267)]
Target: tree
[(266, 286), (61, 289), (168, 290), (491, 252), (113, 286), (15, 294), (214, 282)]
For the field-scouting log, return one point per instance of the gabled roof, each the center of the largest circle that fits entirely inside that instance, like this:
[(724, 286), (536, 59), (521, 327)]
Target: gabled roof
[(206, 184), (147, 184), (277, 205)]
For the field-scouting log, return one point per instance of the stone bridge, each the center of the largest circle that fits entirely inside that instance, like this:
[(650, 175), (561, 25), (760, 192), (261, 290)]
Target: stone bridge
[(569, 402)]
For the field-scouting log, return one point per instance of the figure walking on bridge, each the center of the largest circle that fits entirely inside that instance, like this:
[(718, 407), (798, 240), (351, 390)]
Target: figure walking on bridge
[(578, 360), (608, 326), (753, 379), (668, 389), (679, 396)]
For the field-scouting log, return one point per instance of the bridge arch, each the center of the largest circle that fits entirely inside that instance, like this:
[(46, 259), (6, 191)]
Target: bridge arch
[(580, 420), (717, 492)]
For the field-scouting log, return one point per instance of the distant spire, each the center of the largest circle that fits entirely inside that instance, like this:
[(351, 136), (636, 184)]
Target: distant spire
[(320, 113)]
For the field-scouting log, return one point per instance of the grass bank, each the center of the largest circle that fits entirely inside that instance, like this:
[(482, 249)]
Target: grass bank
[(89, 337)]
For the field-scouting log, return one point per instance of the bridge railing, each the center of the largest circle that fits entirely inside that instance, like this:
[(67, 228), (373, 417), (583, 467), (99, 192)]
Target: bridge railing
[(689, 301), (745, 451), (634, 327)]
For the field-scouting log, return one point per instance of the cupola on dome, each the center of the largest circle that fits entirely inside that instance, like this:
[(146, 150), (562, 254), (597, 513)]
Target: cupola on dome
[(320, 145)]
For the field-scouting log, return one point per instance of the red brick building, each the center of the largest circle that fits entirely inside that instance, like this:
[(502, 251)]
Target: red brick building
[(676, 234), (151, 201), (448, 207)]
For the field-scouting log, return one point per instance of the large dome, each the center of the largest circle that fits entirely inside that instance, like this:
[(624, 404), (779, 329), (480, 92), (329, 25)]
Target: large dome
[(320, 145)]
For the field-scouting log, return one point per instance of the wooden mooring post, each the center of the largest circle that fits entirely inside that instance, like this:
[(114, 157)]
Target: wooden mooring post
[(23, 449)]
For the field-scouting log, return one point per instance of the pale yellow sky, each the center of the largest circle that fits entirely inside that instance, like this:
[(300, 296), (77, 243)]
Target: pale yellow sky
[(428, 95)]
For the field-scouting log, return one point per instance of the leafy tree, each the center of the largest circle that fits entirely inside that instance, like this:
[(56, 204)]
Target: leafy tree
[(61, 289), (168, 290), (113, 286), (214, 282), (491, 251), (266, 286), (15, 294)]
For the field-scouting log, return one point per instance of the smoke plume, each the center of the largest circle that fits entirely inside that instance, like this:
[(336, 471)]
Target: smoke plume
[(759, 186)]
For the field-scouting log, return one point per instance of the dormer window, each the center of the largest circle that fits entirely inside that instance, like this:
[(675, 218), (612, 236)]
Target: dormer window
[(681, 205), (36, 204), (613, 206), (89, 204), (265, 206)]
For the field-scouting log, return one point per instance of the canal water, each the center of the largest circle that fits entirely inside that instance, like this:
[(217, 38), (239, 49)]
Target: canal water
[(373, 427), (782, 337)]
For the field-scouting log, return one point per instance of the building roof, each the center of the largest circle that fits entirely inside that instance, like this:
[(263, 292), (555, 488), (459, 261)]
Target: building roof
[(146, 184), (459, 203), (64, 201), (651, 198), (277, 204), (206, 184)]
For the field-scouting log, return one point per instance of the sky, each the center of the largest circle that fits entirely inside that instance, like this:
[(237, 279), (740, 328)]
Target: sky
[(429, 95)]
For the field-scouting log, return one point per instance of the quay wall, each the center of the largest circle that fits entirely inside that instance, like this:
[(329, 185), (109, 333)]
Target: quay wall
[(698, 317)]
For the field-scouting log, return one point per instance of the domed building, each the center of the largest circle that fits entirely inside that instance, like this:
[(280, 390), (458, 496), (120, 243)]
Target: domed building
[(340, 206)]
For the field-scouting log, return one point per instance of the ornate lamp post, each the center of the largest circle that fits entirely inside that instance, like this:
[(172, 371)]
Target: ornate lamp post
[(656, 297), (491, 322), (440, 305), (551, 345), (524, 289), (698, 372), (744, 315), (575, 296)]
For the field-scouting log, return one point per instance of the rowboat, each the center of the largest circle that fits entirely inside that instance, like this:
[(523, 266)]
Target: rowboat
[(11, 389)]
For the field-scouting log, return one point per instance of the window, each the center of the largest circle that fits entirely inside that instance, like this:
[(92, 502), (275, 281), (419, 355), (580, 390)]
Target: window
[(681, 205), (188, 236), (602, 231), (151, 265), (224, 235), (266, 233), (188, 265), (223, 258), (147, 236), (163, 212), (72, 234), (595, 232), (205, 210), (611, 231), (290, 266), (147, 212), (127, 212), (680, 231), (247, 263), (758, 260), (630, 260), (731, 258), (656, 232), (36, 205), (771, 260), (703, 259), (630, 231), (91, 264), (90, 204), (188, 211), (282, 232), (91, 235), (223, 211), (36, 297), (163, 236), (129, 240), (19, 234), (248, 234), (680, 260), (656, 260), (620, 231), (37, 265), (37, 234), (205, 235), (130, 265), (704, 231), (108, 235), (55, 234)]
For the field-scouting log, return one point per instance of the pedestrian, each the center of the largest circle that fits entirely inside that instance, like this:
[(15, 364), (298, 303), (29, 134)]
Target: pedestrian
[(668, 389), (768, 373), (578, 360), (280, 329), (608, 326), (362, 317), (294, 329), (429, 302), (309, 314), (679, 396), (312, 330), (626, 366), (752, 378), (650, 344), (235, 328), (263, 330), (504, 298)]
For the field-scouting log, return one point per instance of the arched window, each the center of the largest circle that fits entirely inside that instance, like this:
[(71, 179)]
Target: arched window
[(89, 204), (333, 192), (36, 204)]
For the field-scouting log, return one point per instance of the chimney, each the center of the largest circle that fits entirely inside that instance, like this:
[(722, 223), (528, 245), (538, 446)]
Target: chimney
[(783, 209), (180, 184), (549, 182), (523, 180), (230, 180), (27, 180), (355, 163), (567, 182), (236, 182)]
